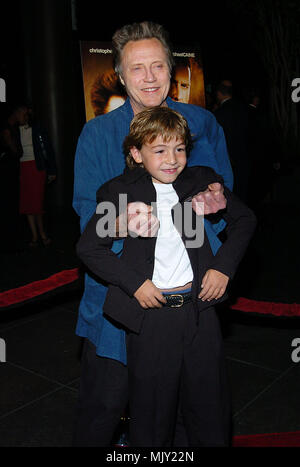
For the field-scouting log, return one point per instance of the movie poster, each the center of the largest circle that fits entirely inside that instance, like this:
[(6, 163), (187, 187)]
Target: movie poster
[(103, 92)]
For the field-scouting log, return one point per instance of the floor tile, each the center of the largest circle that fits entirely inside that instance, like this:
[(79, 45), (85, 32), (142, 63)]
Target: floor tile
[(246, 382), (20, 387), (48, 422), (276, 409), (267, 344), (46, 345)]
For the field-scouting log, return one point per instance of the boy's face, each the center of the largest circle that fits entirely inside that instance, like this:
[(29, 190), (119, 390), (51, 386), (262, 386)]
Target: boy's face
[(164, 160)]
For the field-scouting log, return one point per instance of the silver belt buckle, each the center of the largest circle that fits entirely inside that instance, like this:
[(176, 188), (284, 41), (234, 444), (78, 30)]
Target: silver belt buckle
[(180, 304)]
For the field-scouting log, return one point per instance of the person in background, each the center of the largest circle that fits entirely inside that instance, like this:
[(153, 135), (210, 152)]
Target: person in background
[(264, 153), (10, 153), (232, 114), (37, 167), (143, 61)]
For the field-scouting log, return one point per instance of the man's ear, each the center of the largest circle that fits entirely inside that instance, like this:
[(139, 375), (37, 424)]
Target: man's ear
[(121, 80), (136, 155)]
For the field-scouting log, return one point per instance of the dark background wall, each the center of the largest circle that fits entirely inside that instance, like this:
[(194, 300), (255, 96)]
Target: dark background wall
[(40, 59)]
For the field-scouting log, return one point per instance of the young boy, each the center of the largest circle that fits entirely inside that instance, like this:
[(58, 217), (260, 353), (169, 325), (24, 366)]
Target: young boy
[(163, 289)]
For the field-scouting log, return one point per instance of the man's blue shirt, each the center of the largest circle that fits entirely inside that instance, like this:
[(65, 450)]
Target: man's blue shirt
[(99, 157)]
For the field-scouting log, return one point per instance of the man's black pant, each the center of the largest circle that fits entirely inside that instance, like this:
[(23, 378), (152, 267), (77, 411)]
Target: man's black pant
[(103, 397), (176, 363)]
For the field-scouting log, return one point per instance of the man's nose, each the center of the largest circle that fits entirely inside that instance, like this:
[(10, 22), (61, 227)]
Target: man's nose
[(149, 75)]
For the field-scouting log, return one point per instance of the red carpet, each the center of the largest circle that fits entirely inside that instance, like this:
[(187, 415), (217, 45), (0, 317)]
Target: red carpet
[(289, 439), (271, 308), (34, 289)]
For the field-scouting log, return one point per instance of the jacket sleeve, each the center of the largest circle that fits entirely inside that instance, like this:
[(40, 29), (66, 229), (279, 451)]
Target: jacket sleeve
[(196, 179), (217, 138), (88, 173), (94, 246), (241, 223)]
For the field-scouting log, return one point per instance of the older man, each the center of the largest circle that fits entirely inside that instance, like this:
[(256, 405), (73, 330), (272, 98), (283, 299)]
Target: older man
[(143, 62)]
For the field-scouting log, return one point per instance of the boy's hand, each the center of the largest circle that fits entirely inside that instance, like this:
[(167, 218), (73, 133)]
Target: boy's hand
[(149, 296), (213, 285), (209, 201)]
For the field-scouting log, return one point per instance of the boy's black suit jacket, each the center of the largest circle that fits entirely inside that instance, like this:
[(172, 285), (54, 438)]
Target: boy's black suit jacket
[(125, 274)]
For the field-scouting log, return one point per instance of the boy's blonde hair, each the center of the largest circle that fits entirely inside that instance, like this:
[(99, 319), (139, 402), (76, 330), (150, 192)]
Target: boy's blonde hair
[(151, 123)]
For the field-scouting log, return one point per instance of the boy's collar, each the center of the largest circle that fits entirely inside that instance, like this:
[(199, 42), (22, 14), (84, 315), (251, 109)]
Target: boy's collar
[(134, 174)]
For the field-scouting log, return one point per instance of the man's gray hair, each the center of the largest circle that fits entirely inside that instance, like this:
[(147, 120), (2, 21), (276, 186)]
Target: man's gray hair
[(137, 32)]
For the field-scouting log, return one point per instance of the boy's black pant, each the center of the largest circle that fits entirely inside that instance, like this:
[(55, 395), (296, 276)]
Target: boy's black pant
[(173, 362)]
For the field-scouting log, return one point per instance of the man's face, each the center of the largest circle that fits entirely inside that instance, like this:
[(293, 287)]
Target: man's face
[(181, 85), (145, 73), (164, 160)]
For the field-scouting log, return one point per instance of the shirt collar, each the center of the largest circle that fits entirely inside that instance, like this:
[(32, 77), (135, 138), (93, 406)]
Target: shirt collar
[(136, 173)]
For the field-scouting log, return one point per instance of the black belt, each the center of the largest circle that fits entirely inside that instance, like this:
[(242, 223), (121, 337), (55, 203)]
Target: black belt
[(177, 300)]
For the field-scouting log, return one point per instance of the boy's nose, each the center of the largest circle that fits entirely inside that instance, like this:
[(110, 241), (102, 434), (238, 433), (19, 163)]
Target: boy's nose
[(171, 158)]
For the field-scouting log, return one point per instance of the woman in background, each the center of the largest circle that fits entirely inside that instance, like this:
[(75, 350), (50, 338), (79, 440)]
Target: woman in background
[(10, 153), (37, 165)]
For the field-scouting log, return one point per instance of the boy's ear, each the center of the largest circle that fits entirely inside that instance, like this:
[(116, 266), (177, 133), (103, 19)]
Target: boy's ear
[(136, 154)]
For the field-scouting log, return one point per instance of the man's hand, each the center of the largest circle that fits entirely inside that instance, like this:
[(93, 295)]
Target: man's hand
[(141, 221), (209, 201), (213, 285), (137, 221), (149, 296)]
